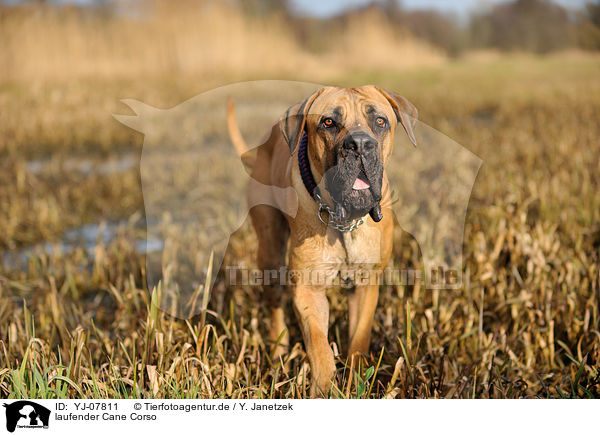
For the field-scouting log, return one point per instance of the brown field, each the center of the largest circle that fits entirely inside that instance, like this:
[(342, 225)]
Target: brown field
[(77, 321)]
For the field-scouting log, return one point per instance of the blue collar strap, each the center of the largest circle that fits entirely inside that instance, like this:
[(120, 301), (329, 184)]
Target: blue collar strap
[(304, 165)]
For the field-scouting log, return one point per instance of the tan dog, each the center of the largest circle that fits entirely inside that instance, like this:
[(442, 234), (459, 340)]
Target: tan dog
[(332, 148)]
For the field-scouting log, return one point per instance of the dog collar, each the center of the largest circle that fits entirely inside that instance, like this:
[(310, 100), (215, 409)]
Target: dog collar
[(334, 220)]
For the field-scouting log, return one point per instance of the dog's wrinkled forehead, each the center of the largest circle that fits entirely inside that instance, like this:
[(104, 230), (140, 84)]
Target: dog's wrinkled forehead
[(349, 106)]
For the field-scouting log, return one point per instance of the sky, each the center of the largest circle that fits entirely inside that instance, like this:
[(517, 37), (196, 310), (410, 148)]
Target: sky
[(459, 8)]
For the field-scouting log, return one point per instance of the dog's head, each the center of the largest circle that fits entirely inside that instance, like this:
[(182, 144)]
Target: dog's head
[(350, 138)]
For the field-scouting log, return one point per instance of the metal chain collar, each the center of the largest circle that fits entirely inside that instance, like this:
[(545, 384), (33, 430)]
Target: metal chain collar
[(332, 222)]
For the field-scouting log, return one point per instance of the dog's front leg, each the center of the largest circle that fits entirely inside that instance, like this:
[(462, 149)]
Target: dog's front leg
[(362, 303), (312, 309)]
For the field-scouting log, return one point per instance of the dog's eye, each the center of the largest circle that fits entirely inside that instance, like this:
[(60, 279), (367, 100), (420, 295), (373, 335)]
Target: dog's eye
[(381, 122), (328, 123)]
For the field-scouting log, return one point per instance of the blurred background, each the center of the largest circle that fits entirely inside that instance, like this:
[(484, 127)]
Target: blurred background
[(66, 59), (515, 81), (60, 39), (64, 65)]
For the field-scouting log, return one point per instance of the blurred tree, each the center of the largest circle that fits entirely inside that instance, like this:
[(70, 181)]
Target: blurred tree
[(434, 27), (430, 25), (530, 25), (587, 32), (264, 8)]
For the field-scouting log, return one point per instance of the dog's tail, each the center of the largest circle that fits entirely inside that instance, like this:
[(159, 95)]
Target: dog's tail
[(234, 131)]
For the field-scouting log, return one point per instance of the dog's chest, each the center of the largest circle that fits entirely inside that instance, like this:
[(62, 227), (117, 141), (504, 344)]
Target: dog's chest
[(363, 246)]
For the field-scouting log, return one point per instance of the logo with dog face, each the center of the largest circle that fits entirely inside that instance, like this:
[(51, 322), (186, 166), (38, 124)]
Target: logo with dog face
[(25, 414), (198, 189)]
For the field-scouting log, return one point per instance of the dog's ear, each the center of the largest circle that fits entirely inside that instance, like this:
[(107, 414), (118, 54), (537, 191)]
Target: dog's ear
[(294, 119), (405, 111)]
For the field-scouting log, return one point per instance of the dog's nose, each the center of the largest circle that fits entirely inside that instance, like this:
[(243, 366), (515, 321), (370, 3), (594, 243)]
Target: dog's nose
[(360, 143)]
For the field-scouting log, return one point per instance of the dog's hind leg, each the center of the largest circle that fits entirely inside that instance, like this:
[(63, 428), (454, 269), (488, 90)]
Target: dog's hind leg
[(272, 232)]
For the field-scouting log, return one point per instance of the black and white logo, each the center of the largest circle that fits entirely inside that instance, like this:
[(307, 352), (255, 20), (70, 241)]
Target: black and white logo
[(25, 414)]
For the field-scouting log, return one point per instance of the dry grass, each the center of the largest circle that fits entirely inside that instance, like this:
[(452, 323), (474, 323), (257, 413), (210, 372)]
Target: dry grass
[(81, 323), (70, 66), (200, 38)]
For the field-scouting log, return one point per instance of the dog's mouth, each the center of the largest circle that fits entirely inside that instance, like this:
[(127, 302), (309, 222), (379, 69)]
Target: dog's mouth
[(361, 182), (355, 186), (358, 202)]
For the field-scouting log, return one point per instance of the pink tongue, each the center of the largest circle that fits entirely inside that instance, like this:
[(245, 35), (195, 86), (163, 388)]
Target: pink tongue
[(360, 185)]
